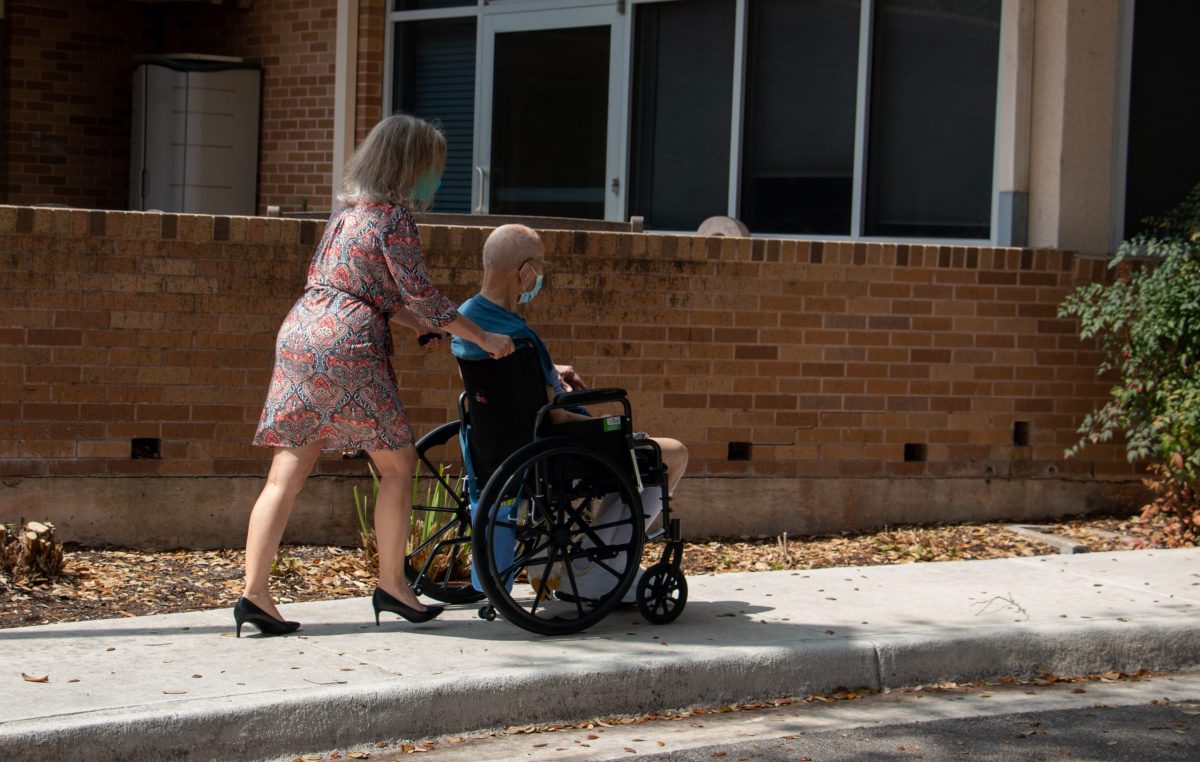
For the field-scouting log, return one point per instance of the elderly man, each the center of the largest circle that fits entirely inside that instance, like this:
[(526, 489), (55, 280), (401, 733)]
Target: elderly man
[(514, 267)]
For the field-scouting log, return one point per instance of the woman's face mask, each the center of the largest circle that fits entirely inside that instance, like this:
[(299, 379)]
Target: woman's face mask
[(426, 186)]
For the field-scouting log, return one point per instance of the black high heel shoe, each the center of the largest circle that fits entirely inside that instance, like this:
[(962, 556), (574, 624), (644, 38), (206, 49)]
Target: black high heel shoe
[(245, 611), (383, 601)]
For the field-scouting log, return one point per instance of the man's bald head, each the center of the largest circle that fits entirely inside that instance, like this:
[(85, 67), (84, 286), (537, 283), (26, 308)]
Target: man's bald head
[(509, 246)]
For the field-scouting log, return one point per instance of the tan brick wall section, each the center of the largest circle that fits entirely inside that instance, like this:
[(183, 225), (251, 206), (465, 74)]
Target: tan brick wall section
[(827, 357)]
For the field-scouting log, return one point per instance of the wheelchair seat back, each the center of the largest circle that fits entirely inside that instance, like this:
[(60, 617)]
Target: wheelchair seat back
[(502, 400)]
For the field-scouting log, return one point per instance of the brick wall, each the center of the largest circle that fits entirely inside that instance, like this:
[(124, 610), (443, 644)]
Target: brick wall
[(826, 358), (372, 27), (65, 101)]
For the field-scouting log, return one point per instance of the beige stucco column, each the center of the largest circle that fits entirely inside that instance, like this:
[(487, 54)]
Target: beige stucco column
[(1075, 45), (1013, 121)]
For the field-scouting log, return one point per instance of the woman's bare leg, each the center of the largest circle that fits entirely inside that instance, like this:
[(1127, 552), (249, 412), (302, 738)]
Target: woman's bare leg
[(290, 466), (393, 508)]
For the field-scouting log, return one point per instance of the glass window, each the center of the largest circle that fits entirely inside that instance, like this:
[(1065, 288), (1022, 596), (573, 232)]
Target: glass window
[(932, 118), (550, 122), (1164, 120), (683, 90), (434, 78), (798, 138)]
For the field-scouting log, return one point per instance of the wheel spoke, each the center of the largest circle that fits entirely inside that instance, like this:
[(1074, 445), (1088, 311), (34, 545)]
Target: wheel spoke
[(574, 588), (526, 559), (542, 588), (441, 531)]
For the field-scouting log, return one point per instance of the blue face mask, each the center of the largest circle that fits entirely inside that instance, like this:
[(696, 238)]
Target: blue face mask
[(527, 296), (427, 185)]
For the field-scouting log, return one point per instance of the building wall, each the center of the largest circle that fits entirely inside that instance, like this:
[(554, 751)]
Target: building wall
[(293, 40), (827, 358), (65, 101), (67, 113)]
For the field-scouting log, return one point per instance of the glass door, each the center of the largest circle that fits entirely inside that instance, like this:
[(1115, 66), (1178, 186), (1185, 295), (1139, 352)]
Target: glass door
[(549, 127)]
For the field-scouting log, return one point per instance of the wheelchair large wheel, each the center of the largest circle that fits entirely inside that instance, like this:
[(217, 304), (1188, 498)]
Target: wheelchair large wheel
[(557, 537), (438, 563)]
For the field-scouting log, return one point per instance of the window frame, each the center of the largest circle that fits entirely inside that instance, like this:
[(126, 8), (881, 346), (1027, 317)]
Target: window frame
[(737, 112)]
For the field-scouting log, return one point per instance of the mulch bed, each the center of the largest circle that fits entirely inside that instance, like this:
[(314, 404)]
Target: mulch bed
[(110, 583)]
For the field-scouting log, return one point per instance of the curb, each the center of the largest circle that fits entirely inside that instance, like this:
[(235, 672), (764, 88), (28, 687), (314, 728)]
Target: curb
[(247, 727)]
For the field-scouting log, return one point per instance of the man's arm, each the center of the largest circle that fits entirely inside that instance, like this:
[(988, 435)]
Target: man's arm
[(570, 379), (560, 415)]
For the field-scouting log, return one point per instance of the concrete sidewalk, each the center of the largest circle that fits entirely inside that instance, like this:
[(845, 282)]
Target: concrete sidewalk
[(181, 686)]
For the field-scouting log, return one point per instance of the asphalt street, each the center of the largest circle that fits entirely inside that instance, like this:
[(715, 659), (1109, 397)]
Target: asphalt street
[(1162, 733), (1152, 719)]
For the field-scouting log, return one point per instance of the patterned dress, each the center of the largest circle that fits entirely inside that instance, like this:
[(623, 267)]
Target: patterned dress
[(333, 379)]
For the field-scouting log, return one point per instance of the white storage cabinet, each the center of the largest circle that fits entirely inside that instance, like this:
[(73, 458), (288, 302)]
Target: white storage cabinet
[(194, 146)]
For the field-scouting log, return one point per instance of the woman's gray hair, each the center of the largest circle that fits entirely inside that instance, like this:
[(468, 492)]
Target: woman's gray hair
[(397, 152)]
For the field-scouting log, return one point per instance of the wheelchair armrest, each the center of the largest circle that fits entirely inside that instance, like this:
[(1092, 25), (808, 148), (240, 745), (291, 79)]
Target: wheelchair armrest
[(439, 436), (590, 397)]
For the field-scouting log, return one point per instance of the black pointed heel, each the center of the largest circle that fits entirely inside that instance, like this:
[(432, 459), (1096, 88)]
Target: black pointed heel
[(383, 601), (246, 612)]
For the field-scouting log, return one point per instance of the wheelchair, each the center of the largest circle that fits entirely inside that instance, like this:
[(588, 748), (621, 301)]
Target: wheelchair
[(543, 520)]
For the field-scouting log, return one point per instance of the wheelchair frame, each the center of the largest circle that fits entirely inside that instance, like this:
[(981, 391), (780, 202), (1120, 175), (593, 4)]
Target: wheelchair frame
[(541, 501)]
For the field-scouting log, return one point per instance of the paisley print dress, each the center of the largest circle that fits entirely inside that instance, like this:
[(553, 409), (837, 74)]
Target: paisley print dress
[(333, 379)]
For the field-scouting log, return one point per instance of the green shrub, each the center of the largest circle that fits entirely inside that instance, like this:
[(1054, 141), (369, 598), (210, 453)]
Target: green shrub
[(1147, 321)]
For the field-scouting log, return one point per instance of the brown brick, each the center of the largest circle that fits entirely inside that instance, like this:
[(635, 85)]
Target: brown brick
[(54, 337), (756, 352), (684, 400)]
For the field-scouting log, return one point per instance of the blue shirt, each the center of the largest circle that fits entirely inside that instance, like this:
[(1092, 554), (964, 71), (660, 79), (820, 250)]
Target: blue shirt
[(493, 318)]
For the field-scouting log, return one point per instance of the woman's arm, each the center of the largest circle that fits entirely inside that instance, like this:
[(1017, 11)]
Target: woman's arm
[(409, 321), (425, 304), (495, 344)]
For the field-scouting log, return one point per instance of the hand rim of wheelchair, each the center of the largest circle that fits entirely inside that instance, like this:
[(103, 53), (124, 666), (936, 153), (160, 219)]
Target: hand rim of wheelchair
[(503, 483), (662, 593), (441, 587)]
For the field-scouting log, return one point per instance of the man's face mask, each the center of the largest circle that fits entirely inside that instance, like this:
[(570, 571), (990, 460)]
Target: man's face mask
[(527, 296), (426, 186)]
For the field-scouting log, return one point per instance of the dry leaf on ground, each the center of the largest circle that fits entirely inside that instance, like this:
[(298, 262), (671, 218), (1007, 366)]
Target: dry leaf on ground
[(107, 583)]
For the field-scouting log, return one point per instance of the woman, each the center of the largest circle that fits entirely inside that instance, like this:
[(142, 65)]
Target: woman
[(333, 387)]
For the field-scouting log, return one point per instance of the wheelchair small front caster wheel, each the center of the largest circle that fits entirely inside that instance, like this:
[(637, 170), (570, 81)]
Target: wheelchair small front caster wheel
[(662, 593), (487, 612)]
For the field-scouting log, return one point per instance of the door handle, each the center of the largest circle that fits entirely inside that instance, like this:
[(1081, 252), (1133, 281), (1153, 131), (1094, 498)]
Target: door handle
[(482, 174)]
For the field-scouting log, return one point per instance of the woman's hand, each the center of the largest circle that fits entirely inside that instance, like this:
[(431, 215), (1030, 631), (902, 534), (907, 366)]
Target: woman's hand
[(497, 345), (432, 340)]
